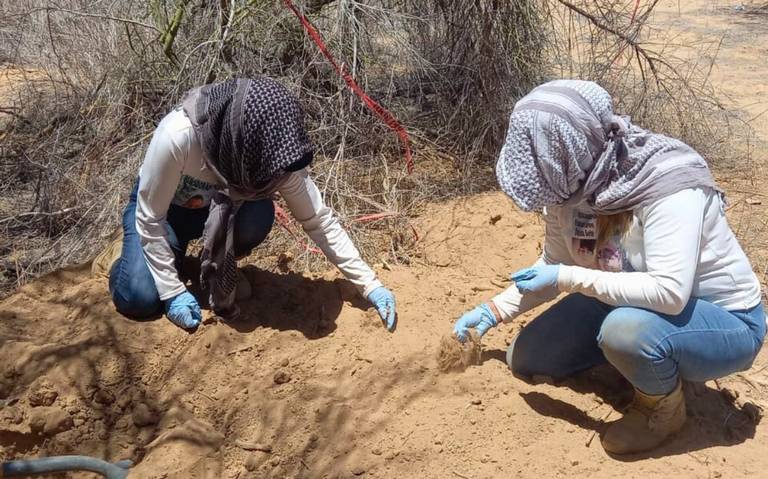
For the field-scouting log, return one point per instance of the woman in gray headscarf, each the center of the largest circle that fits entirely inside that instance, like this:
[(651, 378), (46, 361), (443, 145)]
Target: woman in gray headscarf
[(211, 170), (636, 236)]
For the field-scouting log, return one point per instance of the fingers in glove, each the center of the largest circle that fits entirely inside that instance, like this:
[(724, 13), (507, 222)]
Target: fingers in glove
[(461, 334), (525, 274), (388, 315)]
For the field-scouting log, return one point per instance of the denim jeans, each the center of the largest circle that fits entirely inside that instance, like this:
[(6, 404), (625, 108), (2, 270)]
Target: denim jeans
[(130, 281), (652, 350)]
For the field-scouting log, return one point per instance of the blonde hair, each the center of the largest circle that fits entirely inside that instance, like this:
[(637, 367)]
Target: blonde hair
[(609, 226)]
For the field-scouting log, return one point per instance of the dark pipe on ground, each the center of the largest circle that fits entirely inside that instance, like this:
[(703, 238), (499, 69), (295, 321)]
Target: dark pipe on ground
[(45, 465)]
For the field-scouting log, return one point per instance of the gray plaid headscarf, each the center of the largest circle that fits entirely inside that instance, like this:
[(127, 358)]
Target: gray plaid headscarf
[(252, 133), (564, 136)]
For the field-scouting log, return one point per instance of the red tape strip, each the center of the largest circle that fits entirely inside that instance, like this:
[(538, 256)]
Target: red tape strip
[(380, 111)]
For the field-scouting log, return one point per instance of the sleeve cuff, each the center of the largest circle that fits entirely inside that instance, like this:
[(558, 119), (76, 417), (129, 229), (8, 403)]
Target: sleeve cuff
[(506, 317), (565, 278), (173, 293), (367, 289)]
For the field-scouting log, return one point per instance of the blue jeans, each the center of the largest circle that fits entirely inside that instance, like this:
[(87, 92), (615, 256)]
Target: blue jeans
[(130, 282), (650, 349)]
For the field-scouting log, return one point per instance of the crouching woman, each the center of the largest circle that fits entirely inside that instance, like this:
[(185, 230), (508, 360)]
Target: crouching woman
[(211, 170), (636, 236)]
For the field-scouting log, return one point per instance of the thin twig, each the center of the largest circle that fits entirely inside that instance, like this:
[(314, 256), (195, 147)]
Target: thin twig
[(85, 14), (594, 433), (38, 213)]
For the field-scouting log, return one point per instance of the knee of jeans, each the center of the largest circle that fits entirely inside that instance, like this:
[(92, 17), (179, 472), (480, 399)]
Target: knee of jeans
[(521, 359), (137, 301), (625, 332), (254, 227)]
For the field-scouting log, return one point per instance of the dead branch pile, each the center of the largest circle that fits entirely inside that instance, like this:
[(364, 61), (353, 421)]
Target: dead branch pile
[(91, 79)]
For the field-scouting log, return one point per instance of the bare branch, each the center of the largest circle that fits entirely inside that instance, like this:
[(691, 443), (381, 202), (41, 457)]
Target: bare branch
[(79, 13)]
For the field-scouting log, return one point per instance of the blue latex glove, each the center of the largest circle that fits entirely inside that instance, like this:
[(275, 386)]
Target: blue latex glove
[(384, 302), (183, 311), (481, 318), (531, 280)]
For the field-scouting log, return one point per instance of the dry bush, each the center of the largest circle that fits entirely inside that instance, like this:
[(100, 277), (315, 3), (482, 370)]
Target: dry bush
[(103, 74)]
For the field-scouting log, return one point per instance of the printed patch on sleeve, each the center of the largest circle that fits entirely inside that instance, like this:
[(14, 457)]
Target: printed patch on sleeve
[(193, 193)]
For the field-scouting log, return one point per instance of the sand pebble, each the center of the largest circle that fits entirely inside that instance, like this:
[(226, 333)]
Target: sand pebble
[(143, 415), (282, 377)]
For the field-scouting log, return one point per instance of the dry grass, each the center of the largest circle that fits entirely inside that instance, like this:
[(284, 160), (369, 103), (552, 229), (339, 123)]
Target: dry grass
[(104, 74)]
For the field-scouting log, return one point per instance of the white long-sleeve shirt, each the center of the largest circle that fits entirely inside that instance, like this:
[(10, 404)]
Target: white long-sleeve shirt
[(174, 172), (677, 248)]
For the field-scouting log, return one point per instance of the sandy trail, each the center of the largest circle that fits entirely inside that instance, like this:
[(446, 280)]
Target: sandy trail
[(310, 385)]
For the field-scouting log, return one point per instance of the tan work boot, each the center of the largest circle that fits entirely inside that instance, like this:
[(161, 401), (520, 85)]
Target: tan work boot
[(647, 423), (102, 263)]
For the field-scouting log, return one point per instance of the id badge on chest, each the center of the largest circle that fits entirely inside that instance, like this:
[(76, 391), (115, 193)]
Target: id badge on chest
[(584, 236)]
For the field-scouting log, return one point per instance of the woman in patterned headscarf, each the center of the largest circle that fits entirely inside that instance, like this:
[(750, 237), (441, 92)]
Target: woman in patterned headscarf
[(211, 170), (637, 237)]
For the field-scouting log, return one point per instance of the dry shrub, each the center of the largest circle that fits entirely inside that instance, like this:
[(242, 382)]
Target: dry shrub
[(106, 73)]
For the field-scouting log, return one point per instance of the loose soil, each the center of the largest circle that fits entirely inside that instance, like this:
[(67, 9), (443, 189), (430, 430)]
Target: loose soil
[(310, 385), (312, 379)]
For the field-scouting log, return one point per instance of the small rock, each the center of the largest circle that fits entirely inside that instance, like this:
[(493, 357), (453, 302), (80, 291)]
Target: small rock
[(284, 362), (104, 397), (74, 410), (282, 377), (717, 474), (358, 470), (13, 415), (376, 451), (123, 402), (574, 463), (144, 416), (50, 421), (44, 395), (438, 443), (313, 437), (275, 461), (494, 219), (518, 225), (252, 463), (472, 421), (476, 402), (521, 235)]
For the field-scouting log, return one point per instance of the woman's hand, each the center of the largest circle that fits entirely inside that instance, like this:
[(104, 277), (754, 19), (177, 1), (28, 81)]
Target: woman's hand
[(183, 311), (482, 318), (537, 278), (384, 302)]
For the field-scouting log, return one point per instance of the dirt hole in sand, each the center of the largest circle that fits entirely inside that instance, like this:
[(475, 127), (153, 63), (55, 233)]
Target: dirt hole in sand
[(453, 355)]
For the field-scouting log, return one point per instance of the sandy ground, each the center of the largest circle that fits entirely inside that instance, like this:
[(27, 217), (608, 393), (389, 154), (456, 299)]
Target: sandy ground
[(310, 385), (354, 399)]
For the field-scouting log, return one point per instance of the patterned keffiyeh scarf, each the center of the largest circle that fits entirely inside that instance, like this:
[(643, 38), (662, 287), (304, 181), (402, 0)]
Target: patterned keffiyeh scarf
[(251, 132), (564, 136)]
